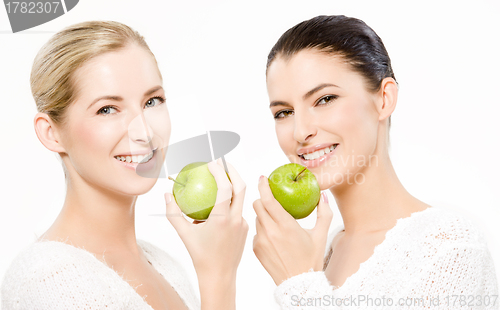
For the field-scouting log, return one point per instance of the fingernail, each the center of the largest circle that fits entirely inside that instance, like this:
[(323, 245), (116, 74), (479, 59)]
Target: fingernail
[(260, 178), (167, 198), (324, 197)]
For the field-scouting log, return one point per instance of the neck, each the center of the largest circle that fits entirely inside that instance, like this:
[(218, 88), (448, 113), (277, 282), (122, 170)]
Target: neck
[(97, 219), (375, 204)]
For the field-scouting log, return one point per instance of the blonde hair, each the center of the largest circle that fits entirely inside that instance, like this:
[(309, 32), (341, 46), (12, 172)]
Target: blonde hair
[(52, 82)]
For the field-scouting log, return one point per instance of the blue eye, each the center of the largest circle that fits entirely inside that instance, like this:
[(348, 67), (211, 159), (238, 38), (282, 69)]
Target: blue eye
[(326, 100), (106, 110), (154, 102)]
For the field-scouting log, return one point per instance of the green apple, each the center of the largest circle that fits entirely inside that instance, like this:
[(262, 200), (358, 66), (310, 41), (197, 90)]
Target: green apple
[(295, 188), (195, 190)]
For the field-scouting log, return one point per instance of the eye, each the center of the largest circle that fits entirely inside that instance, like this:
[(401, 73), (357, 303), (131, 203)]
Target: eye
[(106, 110), (326, 100), (152, 102), (282, 114)]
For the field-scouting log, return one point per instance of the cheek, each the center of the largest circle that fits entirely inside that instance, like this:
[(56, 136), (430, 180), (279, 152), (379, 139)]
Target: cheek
[(93, 137), (284, 133), (354, 122)]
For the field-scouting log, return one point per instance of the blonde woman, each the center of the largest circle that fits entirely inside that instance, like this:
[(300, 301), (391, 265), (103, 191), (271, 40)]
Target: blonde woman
[(332, 91), (102, 108)]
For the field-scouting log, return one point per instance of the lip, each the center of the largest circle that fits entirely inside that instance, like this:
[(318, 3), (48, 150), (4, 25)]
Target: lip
[(133, 166), (318, 161)]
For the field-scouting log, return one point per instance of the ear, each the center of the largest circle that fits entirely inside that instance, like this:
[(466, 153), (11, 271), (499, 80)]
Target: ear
[(389, 93), (48, 133)]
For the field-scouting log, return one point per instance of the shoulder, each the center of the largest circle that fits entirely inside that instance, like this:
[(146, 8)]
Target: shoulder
[(43, 257), (444, 227), (47, 257), (453, 250), (41, 269)]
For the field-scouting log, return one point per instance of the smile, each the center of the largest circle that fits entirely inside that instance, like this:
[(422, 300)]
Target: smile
[(136, 159), (317, 154)]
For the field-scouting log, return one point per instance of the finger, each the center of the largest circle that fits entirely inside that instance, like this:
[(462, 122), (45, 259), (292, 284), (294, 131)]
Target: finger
[(263, 248), (238, 189), (224, 190), (262, 216), (259, 229), (325, 215), (260, 233), (273, 207), (174, 214)]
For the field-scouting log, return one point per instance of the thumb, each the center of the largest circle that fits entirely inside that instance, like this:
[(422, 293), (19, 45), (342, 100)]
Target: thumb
[(174, 214), (325, 215)]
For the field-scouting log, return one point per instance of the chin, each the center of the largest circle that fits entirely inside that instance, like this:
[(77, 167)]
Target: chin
[(136, 189), (329, 178)]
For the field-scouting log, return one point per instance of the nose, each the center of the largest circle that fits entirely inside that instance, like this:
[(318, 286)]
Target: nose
[(139, 130), (304, 128)]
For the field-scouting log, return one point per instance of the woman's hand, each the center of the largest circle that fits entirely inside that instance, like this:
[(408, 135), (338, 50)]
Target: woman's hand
[(216, 245), (283, 247)]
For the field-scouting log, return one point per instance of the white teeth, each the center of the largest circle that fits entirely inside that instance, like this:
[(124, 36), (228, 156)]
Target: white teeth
[(135, 158), (147, 158), (319, 153)]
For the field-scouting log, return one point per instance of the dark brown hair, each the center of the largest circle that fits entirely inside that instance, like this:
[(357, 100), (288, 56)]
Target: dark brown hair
[(339, 35)]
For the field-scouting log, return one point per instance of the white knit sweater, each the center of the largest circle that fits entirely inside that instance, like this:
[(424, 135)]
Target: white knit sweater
[(434, 259), (55, 275)]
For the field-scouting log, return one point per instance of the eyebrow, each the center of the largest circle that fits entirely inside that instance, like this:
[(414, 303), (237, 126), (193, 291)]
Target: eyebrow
[(307, 95), (118, 98), (318, 88)]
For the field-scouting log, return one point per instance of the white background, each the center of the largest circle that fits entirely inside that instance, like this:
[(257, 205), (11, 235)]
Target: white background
[(212, 55)]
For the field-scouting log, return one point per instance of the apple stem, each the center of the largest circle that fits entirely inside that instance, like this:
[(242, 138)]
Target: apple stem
[(170, 178), (295, 180)]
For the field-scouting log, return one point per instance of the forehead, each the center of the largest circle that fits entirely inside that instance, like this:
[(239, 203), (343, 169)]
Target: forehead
[(126, 71), (308, 68)]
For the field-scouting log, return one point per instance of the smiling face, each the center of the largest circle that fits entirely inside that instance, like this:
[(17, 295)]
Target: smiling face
[(117, 122), (325, 118)]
